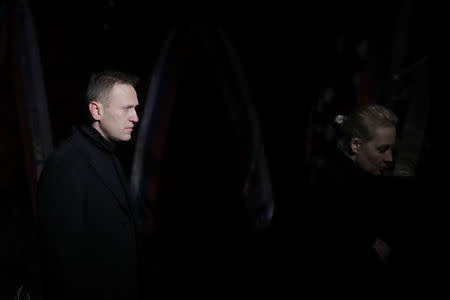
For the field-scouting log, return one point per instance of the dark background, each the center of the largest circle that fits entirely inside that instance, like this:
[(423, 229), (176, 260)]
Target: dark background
[(289, 52)]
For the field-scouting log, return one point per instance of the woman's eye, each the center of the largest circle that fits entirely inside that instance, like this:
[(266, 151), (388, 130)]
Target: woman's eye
[(383, 149)]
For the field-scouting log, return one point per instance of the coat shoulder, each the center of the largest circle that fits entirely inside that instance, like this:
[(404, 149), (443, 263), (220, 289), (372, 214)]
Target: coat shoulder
[(65, 156)]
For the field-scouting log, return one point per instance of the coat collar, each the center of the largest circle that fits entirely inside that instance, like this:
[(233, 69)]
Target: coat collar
[(99, 154), (96, 138)]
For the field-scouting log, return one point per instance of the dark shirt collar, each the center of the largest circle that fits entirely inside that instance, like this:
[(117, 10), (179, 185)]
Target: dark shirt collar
[(96, 138), (350, 168)]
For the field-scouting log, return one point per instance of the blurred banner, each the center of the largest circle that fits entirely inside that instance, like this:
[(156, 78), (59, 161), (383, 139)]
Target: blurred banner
[(199, 72), (24, 85), (153, 129), (257, 188)]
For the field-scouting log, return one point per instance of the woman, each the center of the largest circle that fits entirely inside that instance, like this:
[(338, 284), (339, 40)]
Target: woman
[(349, 214), (367, 137)]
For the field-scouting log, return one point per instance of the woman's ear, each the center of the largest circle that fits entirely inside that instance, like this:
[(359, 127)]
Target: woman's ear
[(96, 110), (354, 145)]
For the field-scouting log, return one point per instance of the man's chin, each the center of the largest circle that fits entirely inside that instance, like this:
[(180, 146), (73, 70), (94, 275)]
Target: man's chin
[(126, 137), (123, 138)]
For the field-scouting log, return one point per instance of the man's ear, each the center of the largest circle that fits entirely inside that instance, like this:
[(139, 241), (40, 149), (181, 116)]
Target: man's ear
[(96, 110), (355, 144)]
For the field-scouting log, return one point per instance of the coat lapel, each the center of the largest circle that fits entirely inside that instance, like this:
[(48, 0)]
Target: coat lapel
[(112, 185), (124, 184), (105, 171)]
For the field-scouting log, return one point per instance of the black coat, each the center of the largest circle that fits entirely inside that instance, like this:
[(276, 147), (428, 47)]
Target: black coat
[(337, 226), (87, 226), (348, 212)]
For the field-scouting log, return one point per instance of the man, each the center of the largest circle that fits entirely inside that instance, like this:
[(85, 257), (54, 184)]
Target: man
[(87, 224)]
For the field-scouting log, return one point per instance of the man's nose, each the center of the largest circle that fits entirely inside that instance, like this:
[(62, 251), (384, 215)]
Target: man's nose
[(134, 118)]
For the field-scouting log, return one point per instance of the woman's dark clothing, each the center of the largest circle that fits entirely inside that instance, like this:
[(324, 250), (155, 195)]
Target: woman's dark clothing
[(341, 219)]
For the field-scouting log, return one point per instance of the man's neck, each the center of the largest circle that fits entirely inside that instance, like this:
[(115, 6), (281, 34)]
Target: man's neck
[(96, 126)]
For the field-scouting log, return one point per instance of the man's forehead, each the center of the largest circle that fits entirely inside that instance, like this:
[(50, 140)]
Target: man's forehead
[(123, 91)]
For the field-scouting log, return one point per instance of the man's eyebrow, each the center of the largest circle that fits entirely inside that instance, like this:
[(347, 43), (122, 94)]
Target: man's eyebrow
[(131, 105)]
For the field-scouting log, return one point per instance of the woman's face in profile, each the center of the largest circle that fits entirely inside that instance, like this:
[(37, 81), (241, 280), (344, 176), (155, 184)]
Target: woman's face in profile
[(375, 155)]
